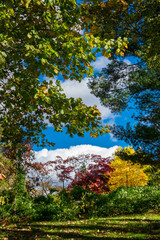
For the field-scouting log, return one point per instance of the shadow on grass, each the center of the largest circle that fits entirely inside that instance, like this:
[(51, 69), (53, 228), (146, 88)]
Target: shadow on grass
[(11, 234), (88, 229)]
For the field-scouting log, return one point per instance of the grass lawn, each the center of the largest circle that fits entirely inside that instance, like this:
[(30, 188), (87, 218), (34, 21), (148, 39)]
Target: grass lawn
[(145, 226)]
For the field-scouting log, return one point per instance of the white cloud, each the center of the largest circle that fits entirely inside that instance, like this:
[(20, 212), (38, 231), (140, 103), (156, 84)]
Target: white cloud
[(49, 155), (75, 89), (101, 62), (127, 61), (110, 123)]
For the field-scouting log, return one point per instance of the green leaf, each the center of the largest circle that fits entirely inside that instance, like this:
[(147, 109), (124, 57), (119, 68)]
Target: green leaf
[(62, 111)]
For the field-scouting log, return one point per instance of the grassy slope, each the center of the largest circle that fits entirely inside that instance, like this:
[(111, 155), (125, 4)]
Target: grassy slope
[(136, 227)]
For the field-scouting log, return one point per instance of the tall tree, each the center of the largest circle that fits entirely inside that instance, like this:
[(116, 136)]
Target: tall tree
[(136, 20), (122, 86), (63, 169), (42, 38)]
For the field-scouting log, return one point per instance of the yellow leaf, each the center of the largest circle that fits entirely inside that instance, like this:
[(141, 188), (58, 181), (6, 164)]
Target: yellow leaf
[(12, 10), (29, 35), (39, 2), (118, 51), (27, 3), (94, 135), (87, 64), (107, 54), (96, 111), (122, 54), (126, 173)]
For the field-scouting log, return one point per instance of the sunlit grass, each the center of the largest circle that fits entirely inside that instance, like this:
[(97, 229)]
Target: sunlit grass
[(122, 227)]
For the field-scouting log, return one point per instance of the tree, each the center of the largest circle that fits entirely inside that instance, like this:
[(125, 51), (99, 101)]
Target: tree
[(39, 181), (42, 38), (126, 173), (67, 168), (122, 86), (36, 175), (153, 174), (63, 171), (94, 177), (137, 21)]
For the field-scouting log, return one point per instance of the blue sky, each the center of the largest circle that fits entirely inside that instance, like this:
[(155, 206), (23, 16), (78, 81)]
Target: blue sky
[(63, 141)]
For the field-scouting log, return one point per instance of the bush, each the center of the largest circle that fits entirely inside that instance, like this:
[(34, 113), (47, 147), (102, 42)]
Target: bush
[(47, 208), (87, 204), (120, 201), (65, 196), (47, 212), (80, 203), (21, 208), (77, 192), (129, 200)]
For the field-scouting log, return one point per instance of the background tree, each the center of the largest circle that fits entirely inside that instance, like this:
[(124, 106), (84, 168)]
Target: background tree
[(66, 169), (37, 178), (126, 173), (63, 170), (136, 20), (153, 173), (95, 176)]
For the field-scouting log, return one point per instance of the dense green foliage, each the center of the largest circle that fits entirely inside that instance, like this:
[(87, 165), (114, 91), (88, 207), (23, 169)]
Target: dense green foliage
[(136, 20), (42, 39), (122, 86), (79, 204)]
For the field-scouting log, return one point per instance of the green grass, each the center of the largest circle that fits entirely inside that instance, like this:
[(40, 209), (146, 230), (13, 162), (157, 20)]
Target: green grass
[(136, 227)]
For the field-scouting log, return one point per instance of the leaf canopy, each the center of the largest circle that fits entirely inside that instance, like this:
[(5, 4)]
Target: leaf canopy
[(43, 38), (122, 86)]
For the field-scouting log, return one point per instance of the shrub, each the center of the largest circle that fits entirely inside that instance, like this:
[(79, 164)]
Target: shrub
[(16, 205), (77, 192), (129, 200), (47, 208), (80, 203)]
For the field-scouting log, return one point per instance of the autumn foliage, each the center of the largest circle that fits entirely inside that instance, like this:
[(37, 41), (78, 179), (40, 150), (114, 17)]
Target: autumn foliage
[(105, 174), (126, 173), (95, 177)]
